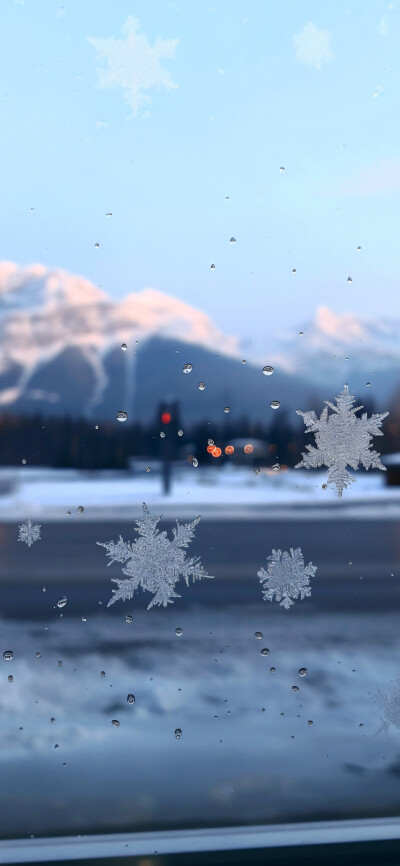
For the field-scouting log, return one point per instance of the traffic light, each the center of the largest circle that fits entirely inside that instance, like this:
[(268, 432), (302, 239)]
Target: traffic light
[(169, 422), (168, 415)]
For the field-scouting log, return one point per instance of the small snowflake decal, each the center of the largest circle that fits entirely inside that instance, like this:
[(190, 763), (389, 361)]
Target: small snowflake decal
[(390, 705), (286, 578), (154, 562), (342, 440), (29, 532)]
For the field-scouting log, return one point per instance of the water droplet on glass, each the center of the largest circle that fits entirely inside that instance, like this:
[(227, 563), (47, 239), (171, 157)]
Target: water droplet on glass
[(162, 434), (44, 589), (147, 468), (10, 678), (80, 509), (275, 404), (324, 486), (213, 267), (69, 515), (178, 733), (187, 368), (102, 673), (97, 246), (227, 409), (258, 635), (256, 470), (276, 467), (294, 271), (310, 722), (62, 601), (303, 672), (295, 688), (108, 214), (59, 663), (282, 168), (56, 746), (124, 347), (84, 619), (232, 240), (267, 370), (115, 722), (130, 698), (301, 333), (349, 280), (201, 386), (211, 442), (358, 248), (195, 462), (272, 670), (248, 449), (122, 416), (265, 651), (180, 432), (129, 617), (38, 656), (96, 427), (8, 655), (368, 384), (178, 632)]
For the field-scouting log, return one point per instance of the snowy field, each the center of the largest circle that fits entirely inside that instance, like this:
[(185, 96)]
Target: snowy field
[(235, 492)]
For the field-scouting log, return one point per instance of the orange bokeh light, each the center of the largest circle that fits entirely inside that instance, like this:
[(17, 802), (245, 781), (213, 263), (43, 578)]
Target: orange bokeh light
[(165, 418), (210, 448), (248, 449), (216, 452), (229, 449)]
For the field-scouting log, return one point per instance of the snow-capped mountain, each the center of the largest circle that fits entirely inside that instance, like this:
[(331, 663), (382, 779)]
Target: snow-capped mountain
[(60, 353)]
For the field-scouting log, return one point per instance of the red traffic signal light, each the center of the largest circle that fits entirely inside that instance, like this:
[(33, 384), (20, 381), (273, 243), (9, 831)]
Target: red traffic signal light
[(165, 418)]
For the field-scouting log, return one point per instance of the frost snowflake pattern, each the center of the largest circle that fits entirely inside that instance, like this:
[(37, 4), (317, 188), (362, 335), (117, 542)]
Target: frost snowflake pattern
[(153, 561), (29, 532), (390, 704), (342, 440), (287, 578)]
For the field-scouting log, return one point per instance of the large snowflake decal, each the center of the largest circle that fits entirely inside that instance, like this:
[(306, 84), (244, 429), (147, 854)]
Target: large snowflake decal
[(390, 705), (287, 578), (29, 532), (342, 439), (154, 562)]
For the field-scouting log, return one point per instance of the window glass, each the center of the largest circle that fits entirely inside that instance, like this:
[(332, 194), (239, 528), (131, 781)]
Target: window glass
[(199, 252)]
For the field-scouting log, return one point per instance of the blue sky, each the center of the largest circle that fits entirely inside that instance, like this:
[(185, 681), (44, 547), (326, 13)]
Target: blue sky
[(257, 85)]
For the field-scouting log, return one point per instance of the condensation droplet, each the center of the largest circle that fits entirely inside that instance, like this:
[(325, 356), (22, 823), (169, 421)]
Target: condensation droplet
[(358, 248), (294, 271), (115, 722), (180, 432), (187, 368), (97, 246), (265, 651), (108, 214), (178, 733), (162, 434), (295, 688), (232, 240), (349, 279), (10, 678), (303, 672), (178, 632), (62, 601), (272, 670), (310, 722), (124, 347), (211, 442), (258, 635), (324, 486), (102, 674), (268, 370), (130, 699), (122, 416), (69, 513), (84, 619), (276, 467), (38, 656), (129, 617), (275, 404), (282, 168), (147, 468), (257, 470), (201, 386), (227, 409), (59, 663), (301, 333), (24, 461), (80, 509), (8, 655), (44, 589), (213, 267), (195, 462), (368, 384)]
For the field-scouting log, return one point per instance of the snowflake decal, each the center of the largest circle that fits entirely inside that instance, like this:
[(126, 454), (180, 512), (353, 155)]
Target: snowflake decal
[(342, 440), (286, 578), (153, 561), (390, 705), (29, 532)]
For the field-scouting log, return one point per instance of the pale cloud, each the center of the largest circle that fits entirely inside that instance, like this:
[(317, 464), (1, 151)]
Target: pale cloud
[(379, 179), (313, 46), (133, 64), (383, 27)]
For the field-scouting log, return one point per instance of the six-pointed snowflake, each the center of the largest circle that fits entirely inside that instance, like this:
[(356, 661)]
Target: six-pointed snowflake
[(29, 532), (342, 439), (390, 705), (154, 562), (287, 578)]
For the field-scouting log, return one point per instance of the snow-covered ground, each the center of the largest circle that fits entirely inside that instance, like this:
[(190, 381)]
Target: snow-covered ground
[(230, 491)]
